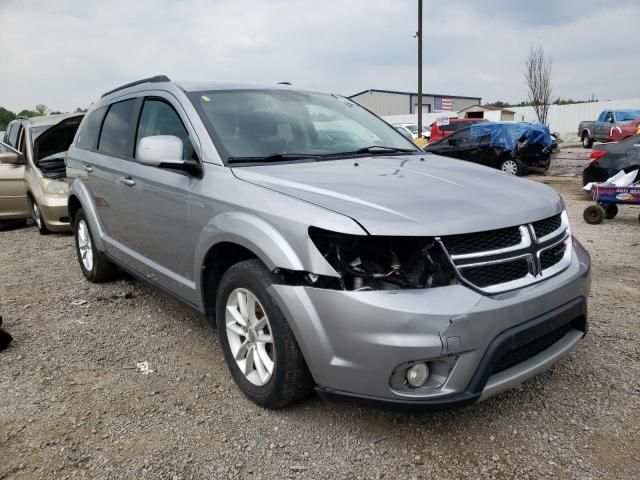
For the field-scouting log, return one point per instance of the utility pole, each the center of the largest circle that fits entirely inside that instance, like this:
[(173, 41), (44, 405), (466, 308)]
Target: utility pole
[(419, 35)]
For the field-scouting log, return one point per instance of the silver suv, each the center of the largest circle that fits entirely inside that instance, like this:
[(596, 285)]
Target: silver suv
[(330, 252)]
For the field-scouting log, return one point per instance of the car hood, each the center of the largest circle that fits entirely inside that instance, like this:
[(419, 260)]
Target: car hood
[(415, 195)]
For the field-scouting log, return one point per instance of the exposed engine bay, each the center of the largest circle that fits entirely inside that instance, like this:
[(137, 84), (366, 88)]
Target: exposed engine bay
[(383, 263), (50, 147), (53, 166)]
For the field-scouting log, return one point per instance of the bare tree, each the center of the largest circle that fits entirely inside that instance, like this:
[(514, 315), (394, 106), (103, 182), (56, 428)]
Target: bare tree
[(537, 73)]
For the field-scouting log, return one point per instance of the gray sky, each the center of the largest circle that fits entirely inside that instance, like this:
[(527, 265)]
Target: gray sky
[(65, 53)]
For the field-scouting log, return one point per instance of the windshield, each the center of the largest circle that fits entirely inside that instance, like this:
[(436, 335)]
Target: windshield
[(285, 124), (412, 128), (627, 116), (36, 131)]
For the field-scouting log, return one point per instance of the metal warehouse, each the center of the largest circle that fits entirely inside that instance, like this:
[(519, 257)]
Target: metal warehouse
[(391, 102)]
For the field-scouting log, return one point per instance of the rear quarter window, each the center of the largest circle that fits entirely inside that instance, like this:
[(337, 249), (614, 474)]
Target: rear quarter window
[(90, 130), (116, 130), (13, 135)]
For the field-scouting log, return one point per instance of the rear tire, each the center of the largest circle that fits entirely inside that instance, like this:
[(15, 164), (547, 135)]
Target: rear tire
[(261, 330), (94, 264), (587, 141), (593, 214), (512, 166), (36, 214)]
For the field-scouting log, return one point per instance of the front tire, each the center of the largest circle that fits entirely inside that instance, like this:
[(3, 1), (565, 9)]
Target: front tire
[(587, 141), (95, 266), (36, 214), (259, 347)]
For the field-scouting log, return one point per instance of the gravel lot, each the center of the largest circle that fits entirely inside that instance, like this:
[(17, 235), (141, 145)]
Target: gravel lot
[(72, 403)]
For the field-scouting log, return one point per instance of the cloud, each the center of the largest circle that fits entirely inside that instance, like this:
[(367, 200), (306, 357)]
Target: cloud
[(66, 53)]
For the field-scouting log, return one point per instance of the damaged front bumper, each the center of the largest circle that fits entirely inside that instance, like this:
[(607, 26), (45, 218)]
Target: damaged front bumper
[(356, 343)]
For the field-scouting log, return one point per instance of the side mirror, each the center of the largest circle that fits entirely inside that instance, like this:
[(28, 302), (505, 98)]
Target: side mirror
[(159, 149), (165, 151), (11, 158)]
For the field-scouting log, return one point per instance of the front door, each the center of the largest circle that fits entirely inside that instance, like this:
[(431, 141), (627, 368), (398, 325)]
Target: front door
[(158, 236)]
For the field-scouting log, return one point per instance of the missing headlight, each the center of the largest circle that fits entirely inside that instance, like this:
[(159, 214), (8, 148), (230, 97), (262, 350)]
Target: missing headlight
[(383, 262)]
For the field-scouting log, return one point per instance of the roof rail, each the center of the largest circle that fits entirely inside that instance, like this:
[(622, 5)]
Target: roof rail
[(155, 79)]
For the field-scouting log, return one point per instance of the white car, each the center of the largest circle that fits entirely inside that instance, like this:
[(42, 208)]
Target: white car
[(412, 129)]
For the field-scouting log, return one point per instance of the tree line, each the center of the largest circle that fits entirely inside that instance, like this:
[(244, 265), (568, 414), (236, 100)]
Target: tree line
[(7, 116)]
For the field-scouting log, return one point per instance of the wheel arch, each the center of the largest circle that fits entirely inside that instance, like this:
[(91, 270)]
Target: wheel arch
[(232, 237), (79, 197)]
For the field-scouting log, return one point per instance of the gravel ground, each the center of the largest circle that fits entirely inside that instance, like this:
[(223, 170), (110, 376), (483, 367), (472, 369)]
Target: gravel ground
[(72, 403)]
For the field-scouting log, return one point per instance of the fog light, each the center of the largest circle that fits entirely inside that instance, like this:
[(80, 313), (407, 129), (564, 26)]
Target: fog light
[(417, 375)]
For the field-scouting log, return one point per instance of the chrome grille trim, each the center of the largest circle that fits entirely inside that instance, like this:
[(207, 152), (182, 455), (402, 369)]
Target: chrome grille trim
[(530, 248)]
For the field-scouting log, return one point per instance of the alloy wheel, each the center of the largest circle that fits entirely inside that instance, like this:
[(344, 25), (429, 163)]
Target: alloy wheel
[(84, 245), (510, 167), (36, 214), (250, 336)]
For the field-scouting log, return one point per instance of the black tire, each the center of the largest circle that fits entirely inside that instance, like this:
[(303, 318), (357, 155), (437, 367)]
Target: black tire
[(290, 381), (593, 214), (587, 141), (610, 210), (512, 166), (36, 215), (102, 270)]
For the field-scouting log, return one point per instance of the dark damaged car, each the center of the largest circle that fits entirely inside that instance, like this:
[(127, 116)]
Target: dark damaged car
[(514, 148)]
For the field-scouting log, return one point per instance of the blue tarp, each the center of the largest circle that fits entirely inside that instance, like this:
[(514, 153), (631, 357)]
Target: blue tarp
[(507, 134)]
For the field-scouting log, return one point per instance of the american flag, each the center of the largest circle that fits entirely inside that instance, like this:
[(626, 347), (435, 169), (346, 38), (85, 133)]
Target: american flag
[(441, 104)]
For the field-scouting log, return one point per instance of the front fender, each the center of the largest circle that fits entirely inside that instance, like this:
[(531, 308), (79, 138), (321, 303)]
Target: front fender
[(79, 190), (250, 232)]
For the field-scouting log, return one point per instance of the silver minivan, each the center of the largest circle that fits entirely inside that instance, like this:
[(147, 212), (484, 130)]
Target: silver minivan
[(329, 251)]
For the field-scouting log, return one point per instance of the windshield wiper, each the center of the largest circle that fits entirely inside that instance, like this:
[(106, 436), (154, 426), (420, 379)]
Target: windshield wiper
[(381, 149), (276, 157), (372, 150)]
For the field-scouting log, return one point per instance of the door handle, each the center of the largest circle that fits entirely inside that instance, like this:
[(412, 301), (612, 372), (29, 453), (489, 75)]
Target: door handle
[(128, 181), (88, 168)]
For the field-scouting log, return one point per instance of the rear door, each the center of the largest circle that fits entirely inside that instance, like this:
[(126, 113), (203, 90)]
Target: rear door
[(102, 168), (460, 145)]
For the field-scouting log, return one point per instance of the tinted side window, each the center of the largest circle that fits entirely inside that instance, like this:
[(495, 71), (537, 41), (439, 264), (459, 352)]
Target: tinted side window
[(462, 135), (88, 135), (13, 135), (114, 139), (159, 118)]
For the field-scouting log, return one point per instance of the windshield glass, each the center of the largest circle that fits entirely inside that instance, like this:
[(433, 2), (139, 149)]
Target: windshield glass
[(412, 128), (626, 116), (36, 131), (270, 123)]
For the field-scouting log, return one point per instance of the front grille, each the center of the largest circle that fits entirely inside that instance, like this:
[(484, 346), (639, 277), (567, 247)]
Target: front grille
[(482, 241), (528, 350), (547, 226), (551, 256), (493, 274), (494, 261)]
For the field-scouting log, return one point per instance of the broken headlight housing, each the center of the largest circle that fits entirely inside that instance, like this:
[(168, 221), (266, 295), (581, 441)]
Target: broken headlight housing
[(367, 262)]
